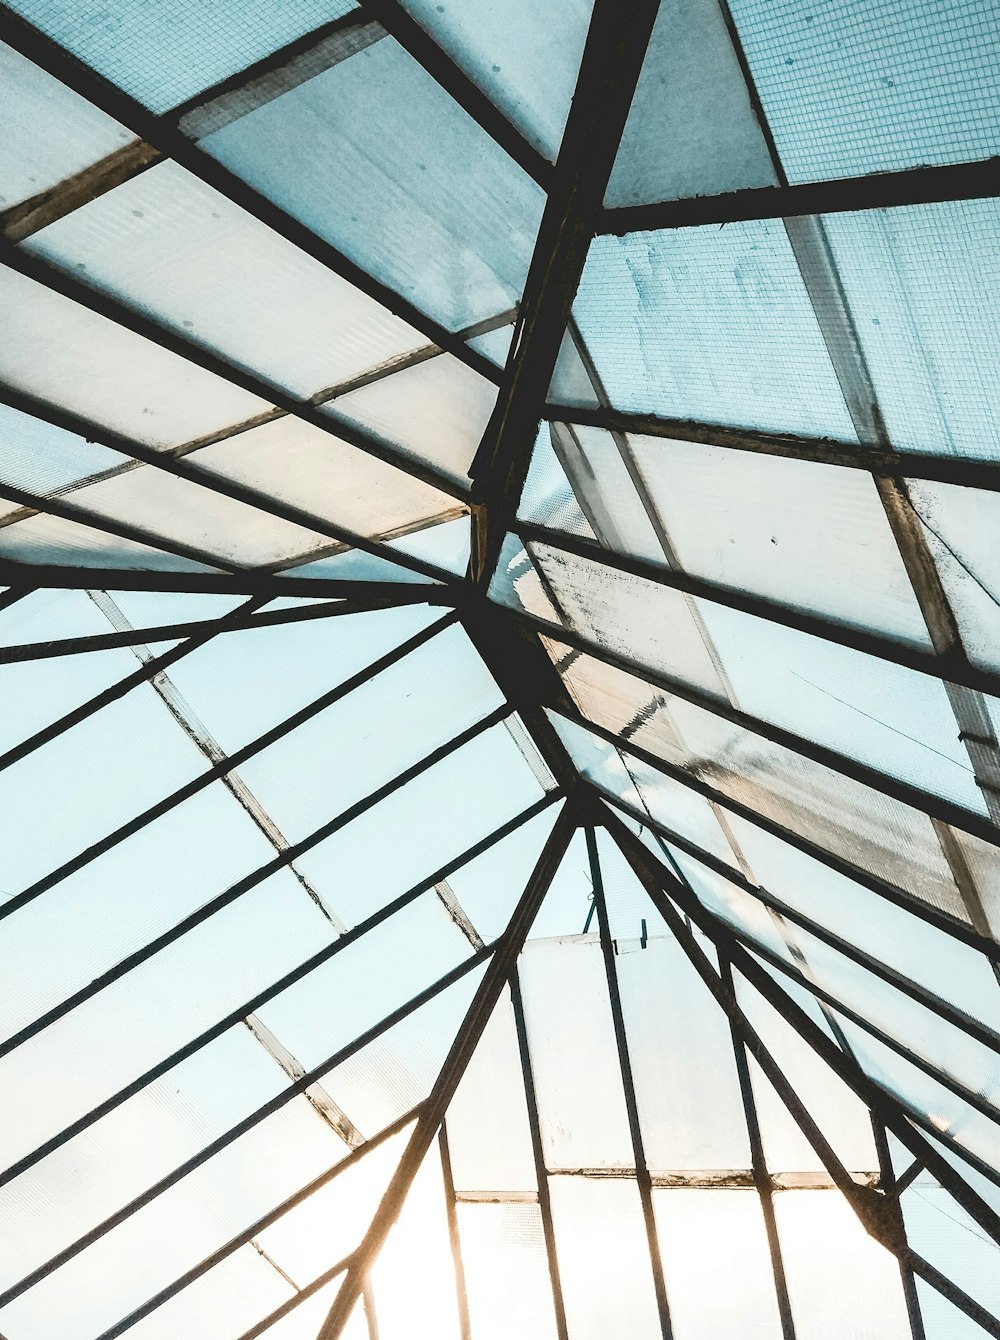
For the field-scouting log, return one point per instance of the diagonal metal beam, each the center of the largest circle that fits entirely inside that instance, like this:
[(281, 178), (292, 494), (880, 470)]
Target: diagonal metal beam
[(418, 43), (261, 998), (497, 974), (877, 190), (612, 59), (74, 646), (887, 1107), (160, 134), (820, 450), (283, 1097), (938, 664)]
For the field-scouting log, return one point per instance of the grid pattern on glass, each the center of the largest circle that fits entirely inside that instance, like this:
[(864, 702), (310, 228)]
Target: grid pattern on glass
[(850, 89)]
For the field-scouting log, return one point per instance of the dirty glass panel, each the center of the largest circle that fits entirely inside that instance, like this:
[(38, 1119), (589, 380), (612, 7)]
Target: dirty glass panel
[(797, 532), (180, 251), (691, 129), (698, 323), (716, 1263), (574, 1056), (506, 1272), (164, 56), (50, 133), (436, 411), (604, 1262), (439, 212), (63, 354), (919, 283), (851, 89), (823, 1246), (525, 58)]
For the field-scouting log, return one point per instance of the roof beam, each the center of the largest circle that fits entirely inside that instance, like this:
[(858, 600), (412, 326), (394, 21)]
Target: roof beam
[(940, 665), (880, 190), (612, 59), (161, 135), (820, 450)]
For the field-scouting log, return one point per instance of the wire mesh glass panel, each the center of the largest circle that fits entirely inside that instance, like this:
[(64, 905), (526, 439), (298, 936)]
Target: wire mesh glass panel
[(439, 212), (436, 410), (506, 1272), (797, 532), (822, 1246), (164, 57), (177, 249), (698, 323), (526, 59), (854, 89), (691, 129), (62, 354), (604, 1260), (548, 497), (716, 1263), (50, 133), (919, 283)]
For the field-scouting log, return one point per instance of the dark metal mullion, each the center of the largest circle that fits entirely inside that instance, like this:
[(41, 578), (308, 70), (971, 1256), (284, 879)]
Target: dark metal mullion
[(957, 670), (879, 1217), (167, 632), (880, 190), (258, 1226), (478, 1015), (182, 468), (891, 1110), (887, 1178), (248, 1007), (234, 760), (210, 629), (643, 1182), (761, 1175), (538, 1154), (420, 45), (907, 986), (235, 891), (117, 309), (823, 451), (13, 594), (943, 921), (260, 1114), (32, 43), (454, 1235), (906, 792)]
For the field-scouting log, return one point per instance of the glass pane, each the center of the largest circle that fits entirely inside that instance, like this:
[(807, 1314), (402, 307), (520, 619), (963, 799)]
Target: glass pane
[(176, 50), (178, 250), (524, 57), (49, 132), (62, 354), (506, 1272), (691, 129), (439, 212), (860, 89), (698, 323)]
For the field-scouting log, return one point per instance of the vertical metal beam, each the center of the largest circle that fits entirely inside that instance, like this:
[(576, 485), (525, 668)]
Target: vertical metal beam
[(451, 1206), (469, 1033), (538, 1154), (628, 1085), (758, 1162), (887, 1178), (612, 59)]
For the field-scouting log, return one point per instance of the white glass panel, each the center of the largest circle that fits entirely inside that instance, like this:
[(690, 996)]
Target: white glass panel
[(68, 356), (506, 1272), (49, 132)]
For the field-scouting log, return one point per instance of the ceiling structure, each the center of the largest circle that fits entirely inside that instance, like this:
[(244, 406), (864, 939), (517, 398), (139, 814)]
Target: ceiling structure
[(501, 657)]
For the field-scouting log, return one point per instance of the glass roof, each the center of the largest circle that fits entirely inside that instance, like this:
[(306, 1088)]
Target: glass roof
[(500, 638)]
